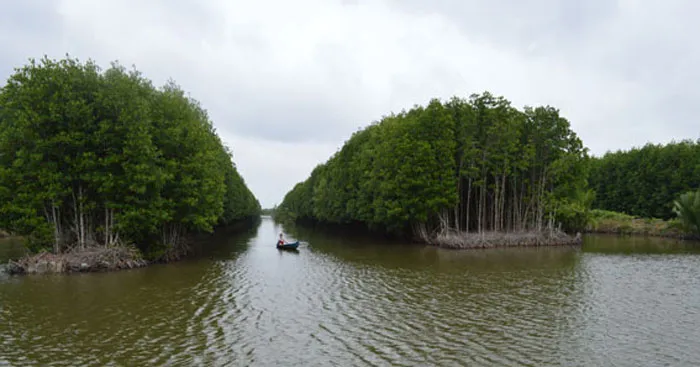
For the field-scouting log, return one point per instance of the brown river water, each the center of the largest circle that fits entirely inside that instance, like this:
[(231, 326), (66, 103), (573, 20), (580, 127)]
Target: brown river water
[(356, 301)]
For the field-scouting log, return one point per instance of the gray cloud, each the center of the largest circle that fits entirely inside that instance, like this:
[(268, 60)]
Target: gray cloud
[(511, 23), (26, 27), (647, 49), (286, 83)]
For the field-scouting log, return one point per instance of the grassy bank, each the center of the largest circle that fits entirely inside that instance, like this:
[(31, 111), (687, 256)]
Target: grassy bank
[(603, 221)]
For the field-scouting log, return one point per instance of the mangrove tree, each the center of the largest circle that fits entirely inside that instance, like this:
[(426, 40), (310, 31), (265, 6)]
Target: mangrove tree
[(97, 158), (474, 165)]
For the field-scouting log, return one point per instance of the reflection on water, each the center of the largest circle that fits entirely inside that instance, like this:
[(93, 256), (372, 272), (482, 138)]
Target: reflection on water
[(351, 300), (638, 245), (11, 248)]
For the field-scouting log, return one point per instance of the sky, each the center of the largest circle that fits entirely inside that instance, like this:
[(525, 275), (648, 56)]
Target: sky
[(287, 82)]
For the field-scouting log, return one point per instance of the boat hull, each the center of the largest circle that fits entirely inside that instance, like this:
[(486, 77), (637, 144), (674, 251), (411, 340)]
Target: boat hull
[(289, 246)]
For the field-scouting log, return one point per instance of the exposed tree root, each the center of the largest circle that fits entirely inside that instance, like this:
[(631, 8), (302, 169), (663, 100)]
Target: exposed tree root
[(463, 240), (89, 259)]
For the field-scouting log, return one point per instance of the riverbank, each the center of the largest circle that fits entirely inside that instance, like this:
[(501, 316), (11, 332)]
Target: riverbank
[(484, 240), (609, 222), (449, 240), (86, 260), (118, 257)]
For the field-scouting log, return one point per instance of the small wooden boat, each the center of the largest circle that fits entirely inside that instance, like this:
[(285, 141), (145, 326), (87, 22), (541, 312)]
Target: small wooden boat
[(289, 246)]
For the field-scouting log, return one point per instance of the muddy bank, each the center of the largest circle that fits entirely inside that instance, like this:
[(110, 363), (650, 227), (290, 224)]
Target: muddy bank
[(87, 260), (463, 240)]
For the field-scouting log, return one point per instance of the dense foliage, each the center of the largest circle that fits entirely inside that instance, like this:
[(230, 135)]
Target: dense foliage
[(268, 211), (687, 208), (468, 165), (90, 157), (646, 181)]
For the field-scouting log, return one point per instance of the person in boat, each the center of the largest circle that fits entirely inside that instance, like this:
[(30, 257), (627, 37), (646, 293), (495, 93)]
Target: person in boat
[(281, 241)]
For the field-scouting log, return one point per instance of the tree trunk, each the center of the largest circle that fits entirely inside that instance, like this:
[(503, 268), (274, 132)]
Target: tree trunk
[(51, 218), (107, 235), (515, 207), (469, 196), (540, 200), (482, 206), (57, 229), (503, 217), (81, 240), (76, 220), (459, 203), (496, 204)]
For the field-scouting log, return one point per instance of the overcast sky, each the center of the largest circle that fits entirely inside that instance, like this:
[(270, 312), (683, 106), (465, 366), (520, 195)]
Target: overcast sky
[(287, 82)]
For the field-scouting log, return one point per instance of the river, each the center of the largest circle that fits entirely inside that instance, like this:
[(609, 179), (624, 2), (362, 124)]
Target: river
[(355, 301)]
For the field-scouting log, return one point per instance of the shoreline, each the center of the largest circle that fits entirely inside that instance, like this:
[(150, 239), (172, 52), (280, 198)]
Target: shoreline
[(452, 239), (114, 258), (668, 235), (92, 259), (614, 223), (488, 240)]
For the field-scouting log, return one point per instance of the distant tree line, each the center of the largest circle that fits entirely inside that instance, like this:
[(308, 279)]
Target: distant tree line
[(269, 211), (96, 158), (646, 181), (476, 164)]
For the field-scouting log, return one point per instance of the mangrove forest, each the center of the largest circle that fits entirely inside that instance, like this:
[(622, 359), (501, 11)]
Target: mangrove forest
[(646, 181), (101, 162), (447, 170), (479, 172), (93, 158)]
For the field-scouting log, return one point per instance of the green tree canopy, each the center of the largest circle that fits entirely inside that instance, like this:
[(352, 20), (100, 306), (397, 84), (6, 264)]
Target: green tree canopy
[(467, 165), (646, 181), (90, 157)]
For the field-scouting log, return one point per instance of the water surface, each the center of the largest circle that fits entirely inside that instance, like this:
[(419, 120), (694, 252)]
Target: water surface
[(350, 300)]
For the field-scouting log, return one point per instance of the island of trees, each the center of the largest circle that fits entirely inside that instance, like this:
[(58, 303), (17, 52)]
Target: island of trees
[(481, 173), (100, 169), (465, 173)]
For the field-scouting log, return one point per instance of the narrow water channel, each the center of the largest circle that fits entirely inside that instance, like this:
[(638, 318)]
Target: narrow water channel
[(352, 301)]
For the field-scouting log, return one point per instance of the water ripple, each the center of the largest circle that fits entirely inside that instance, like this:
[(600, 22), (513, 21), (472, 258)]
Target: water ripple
[(329, 306)]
